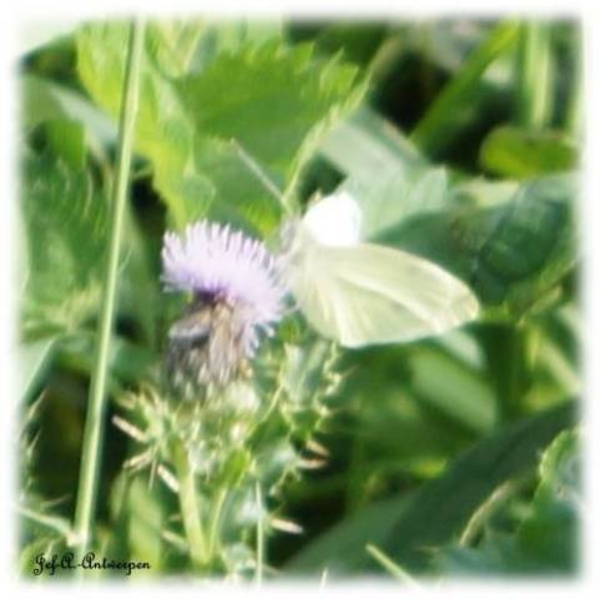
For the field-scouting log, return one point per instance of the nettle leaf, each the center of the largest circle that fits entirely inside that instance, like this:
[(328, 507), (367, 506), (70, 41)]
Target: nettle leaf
[(519, 153), (66, 228), (510, 254), (229, 85), (276, 102), (180, 46), (171, 45)]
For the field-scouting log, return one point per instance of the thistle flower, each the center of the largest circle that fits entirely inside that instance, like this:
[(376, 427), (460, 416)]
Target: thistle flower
[(236, 297)]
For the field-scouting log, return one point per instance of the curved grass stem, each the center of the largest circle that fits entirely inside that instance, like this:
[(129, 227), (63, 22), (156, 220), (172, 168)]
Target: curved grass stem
[(94, 425)]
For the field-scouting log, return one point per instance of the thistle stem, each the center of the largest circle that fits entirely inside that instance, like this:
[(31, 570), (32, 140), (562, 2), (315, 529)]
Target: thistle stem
[(213, 537), (190, 508), (94, 425), (260, 538)]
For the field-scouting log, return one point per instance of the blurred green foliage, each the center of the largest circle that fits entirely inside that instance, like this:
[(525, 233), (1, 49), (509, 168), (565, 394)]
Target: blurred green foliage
[(455, 149)]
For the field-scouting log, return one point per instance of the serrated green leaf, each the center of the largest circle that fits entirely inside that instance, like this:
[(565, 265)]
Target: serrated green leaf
[(522, 154), (253, 97), (246, 91), (171, 44), (163, 132)]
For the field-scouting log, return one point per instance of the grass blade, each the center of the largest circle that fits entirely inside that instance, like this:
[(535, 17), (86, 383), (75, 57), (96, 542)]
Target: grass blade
[(94, 425)]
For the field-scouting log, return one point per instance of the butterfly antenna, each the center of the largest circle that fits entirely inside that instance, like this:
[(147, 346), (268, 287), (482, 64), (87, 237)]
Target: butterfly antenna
[(253, 165)]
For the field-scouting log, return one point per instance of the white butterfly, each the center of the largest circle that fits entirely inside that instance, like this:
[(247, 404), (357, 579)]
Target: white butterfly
[(361, 293)]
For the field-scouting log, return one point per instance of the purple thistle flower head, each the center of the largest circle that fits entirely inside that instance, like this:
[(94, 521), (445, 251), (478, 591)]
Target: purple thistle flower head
[(234, 274)]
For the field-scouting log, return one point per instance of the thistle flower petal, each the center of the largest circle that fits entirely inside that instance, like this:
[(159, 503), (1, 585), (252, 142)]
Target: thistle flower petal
[(215, 262)]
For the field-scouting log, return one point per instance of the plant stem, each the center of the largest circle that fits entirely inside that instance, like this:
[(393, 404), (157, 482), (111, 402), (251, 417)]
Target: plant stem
[(573, 118), (213, 540), (260, 538), (485, 511), (189, 507), (94, 425), (390, 565), (535, 75)]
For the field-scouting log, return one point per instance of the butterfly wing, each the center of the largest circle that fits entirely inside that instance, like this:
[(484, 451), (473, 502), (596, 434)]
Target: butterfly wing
[(369, 294)]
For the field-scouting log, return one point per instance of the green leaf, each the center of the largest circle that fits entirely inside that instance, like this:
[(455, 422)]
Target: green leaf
[(441, 508), (67, 140), (546, 540), (394, 196), (409, 526), (33, 359), (367, 147), (549, 536), (39, 102), (177, 47), (519, 153), (65, 220), (231, 87), (341, 549), (252, 97), (163, 132), (510, 254), (171, 45), (45, 100), (455, 391)]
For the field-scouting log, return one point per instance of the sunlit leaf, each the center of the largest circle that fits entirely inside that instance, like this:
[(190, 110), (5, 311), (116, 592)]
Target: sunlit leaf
[(522, 154), (252, 97), (244, 92)]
